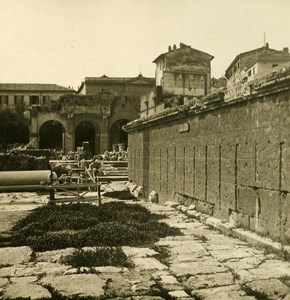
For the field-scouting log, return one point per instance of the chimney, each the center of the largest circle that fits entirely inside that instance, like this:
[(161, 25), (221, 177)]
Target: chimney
[(286, 50), (267, 46), (169, 48), (174, 47)]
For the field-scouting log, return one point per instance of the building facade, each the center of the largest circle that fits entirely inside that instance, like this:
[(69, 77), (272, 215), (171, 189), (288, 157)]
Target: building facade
[(96, 114), (182, 74), (45, 95), (266, 56)]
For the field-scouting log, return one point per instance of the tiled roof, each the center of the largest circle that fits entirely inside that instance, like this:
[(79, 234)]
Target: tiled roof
[(105, 78), (183, 46), (34, 87)]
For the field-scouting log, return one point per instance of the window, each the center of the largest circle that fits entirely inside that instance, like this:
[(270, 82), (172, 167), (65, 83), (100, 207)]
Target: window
[(18, 99), (33, 99), (45, 99), (254, 71), (3, 99), (249, 72)]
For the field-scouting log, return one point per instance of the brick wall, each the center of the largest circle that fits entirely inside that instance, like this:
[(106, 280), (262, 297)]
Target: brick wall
[(232, 160)]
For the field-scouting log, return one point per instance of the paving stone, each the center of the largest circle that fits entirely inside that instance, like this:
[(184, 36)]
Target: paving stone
[(194, 268), (190, 256), (219, 239), (54, 256), (132, 283), (3, 281), (144, 298), (178, 238), (15, 255), (139, 252), (82, 285), (198, 232), (267, 270), (243, 263), (178, 294), (26, 290), (222, 255), (148, 264), (168, 279), (210, 246), (209, 280), (269, 288), (183, 225), (24, 280), (39, 269), (232, 292), (170, 283), (187, 246), (254, 239), (157, 275), (109, 269)]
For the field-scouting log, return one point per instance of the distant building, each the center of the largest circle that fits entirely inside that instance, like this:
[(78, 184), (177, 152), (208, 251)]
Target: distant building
[(182, 74), (257, 60), (95, 114), (264, 64), (30, 94)]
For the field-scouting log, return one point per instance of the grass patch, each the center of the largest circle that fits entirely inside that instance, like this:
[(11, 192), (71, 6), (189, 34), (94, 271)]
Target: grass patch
[(121, 195), (79, 225)]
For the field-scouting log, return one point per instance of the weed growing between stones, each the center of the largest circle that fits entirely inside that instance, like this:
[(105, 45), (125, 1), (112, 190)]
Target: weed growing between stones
[(55, 295), (106, 256), (79, 225), (257, 294), (163, 254)]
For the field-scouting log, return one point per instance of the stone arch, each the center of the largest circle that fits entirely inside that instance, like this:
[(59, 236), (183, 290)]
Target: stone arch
[(51, 135), (87, 131), (117, 134)]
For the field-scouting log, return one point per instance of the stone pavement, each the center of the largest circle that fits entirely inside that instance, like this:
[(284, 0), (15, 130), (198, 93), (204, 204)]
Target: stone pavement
[(201, 264)]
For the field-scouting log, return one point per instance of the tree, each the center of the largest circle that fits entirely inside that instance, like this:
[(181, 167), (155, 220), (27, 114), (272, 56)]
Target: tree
[(13, 127)]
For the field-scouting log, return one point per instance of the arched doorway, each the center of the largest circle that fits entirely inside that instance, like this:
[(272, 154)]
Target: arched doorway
[(117, 134), (51, 135), (85, 132)]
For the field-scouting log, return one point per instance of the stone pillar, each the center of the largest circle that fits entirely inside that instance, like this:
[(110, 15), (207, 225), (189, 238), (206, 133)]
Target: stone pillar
[(69, 136), (104, 136), (33, 129)]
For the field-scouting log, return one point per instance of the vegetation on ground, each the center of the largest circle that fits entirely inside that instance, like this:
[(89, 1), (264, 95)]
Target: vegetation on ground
[(121, 195), (79, 225), (104, 256)]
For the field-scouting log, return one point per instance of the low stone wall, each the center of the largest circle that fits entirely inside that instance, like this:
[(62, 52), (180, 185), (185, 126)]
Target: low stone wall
[(231, 159)]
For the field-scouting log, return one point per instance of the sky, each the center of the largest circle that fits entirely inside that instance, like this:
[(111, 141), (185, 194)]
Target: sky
[(64, 41)]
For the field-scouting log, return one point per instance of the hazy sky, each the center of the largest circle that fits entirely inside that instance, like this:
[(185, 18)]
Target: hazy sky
[(64, 41)]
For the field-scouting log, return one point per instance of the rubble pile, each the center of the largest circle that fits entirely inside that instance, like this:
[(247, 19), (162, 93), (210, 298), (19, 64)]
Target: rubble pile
[(20, 162)]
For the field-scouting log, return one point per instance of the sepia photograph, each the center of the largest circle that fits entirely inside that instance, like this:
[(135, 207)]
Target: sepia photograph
[(145, 149)]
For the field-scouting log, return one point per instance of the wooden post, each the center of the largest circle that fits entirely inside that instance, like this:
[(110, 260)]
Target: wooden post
[(99, 190)]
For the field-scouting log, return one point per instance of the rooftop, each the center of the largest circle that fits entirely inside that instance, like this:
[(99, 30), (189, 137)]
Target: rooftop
[(182, 46), (39, 87)]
